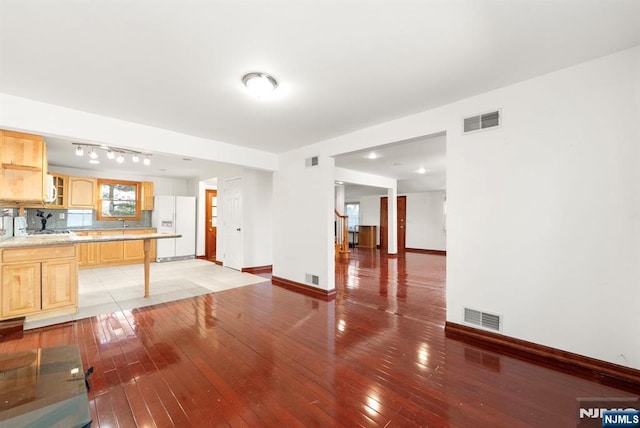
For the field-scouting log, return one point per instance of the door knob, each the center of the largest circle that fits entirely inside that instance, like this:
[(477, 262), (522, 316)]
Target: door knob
[(238, 229)]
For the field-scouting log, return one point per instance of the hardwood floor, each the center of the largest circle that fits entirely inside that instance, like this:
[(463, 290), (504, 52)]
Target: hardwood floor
[(264, 356)]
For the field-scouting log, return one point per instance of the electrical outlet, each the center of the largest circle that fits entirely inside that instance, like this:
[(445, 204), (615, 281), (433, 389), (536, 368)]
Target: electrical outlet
[(61, 216)]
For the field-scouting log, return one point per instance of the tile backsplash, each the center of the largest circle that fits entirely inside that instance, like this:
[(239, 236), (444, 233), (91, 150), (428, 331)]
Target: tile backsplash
[(79, 219)]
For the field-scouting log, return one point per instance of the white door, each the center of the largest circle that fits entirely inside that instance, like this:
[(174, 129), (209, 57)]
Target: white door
[(232, 212)]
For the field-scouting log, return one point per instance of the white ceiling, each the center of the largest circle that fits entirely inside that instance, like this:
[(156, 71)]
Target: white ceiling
[(342, 65)]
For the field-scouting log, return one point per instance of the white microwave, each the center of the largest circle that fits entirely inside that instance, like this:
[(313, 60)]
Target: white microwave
[(51, 192)]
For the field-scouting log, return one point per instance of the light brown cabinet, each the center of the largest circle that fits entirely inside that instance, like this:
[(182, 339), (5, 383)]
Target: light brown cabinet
[(60, 184), (114, 253), (89, 253), (23, 167), (38, 279), (367, 236), (20, 289), (82, 192), (147, 195), (111, 252)]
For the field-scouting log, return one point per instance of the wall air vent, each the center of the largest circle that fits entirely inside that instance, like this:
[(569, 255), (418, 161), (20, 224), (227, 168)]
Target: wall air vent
[(309, 162), (482, 121), (483, 319), (312, 279)]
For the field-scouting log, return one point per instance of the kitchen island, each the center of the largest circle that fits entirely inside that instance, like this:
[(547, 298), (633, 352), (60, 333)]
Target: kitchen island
[(39, 273)]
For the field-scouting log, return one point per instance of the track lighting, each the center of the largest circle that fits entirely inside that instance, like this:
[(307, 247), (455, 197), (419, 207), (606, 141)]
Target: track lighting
[(116, 153)]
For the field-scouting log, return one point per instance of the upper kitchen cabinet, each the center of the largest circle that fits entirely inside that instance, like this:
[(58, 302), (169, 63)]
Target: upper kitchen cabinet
[(82, 192), (23, 167), (147, 195), (60, 186)]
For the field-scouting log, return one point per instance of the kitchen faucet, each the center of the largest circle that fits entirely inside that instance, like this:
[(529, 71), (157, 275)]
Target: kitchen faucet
[(124, 222), (43, 219)]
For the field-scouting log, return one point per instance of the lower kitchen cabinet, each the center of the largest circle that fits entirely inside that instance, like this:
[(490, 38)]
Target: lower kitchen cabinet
[(98, 254), (38, 279), (57, 275), (20, 289)]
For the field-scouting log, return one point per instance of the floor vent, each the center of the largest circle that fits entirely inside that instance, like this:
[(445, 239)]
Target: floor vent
[(483, 319), (482, 121), (312, 161)]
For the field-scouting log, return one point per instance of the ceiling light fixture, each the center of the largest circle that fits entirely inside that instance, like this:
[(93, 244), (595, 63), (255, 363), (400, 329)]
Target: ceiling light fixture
[(260, 84), (111, 153), (421, 170), (372, 155), (94, 161)]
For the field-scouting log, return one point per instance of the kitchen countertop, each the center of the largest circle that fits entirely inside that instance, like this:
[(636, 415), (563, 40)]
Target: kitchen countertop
[(72, 238), (91, 229)]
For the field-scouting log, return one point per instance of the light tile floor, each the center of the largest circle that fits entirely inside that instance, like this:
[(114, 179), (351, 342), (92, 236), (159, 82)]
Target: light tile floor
[(119, 288)]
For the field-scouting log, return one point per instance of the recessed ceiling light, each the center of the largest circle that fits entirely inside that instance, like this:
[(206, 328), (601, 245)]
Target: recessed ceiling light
[(94, 161), (339, 182), (372, 155), (421, 170), (260, 84)]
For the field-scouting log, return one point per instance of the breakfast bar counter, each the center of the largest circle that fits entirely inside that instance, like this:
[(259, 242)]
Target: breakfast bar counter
[(39, 273)]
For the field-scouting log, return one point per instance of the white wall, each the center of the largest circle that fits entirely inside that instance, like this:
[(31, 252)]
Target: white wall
[(303, 224), (257, 218), (369, 212), (543, 214), (425, 221)]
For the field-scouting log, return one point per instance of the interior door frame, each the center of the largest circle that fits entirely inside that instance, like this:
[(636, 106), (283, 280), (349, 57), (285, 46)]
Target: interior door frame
[(210, 232)]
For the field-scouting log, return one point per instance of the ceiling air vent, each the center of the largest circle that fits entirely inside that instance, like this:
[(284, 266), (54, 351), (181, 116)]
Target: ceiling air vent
[(313, 161), (482, 121), (483, 319)]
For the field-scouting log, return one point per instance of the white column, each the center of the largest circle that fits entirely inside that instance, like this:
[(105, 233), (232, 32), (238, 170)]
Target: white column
[(392, 220), (339, 202)]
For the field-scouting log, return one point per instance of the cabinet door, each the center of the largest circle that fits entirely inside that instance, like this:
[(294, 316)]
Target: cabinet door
[(82, 192), (147, 195), (59, 283), (20, 289), (89, 253), (111, 252), (133, 250), (22, 167), (60, 184)]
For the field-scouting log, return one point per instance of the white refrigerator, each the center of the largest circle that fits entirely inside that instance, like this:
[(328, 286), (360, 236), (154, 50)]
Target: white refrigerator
[(175, 214)]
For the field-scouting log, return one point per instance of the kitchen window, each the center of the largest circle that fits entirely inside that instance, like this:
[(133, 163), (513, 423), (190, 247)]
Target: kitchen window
[(118, 200)]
